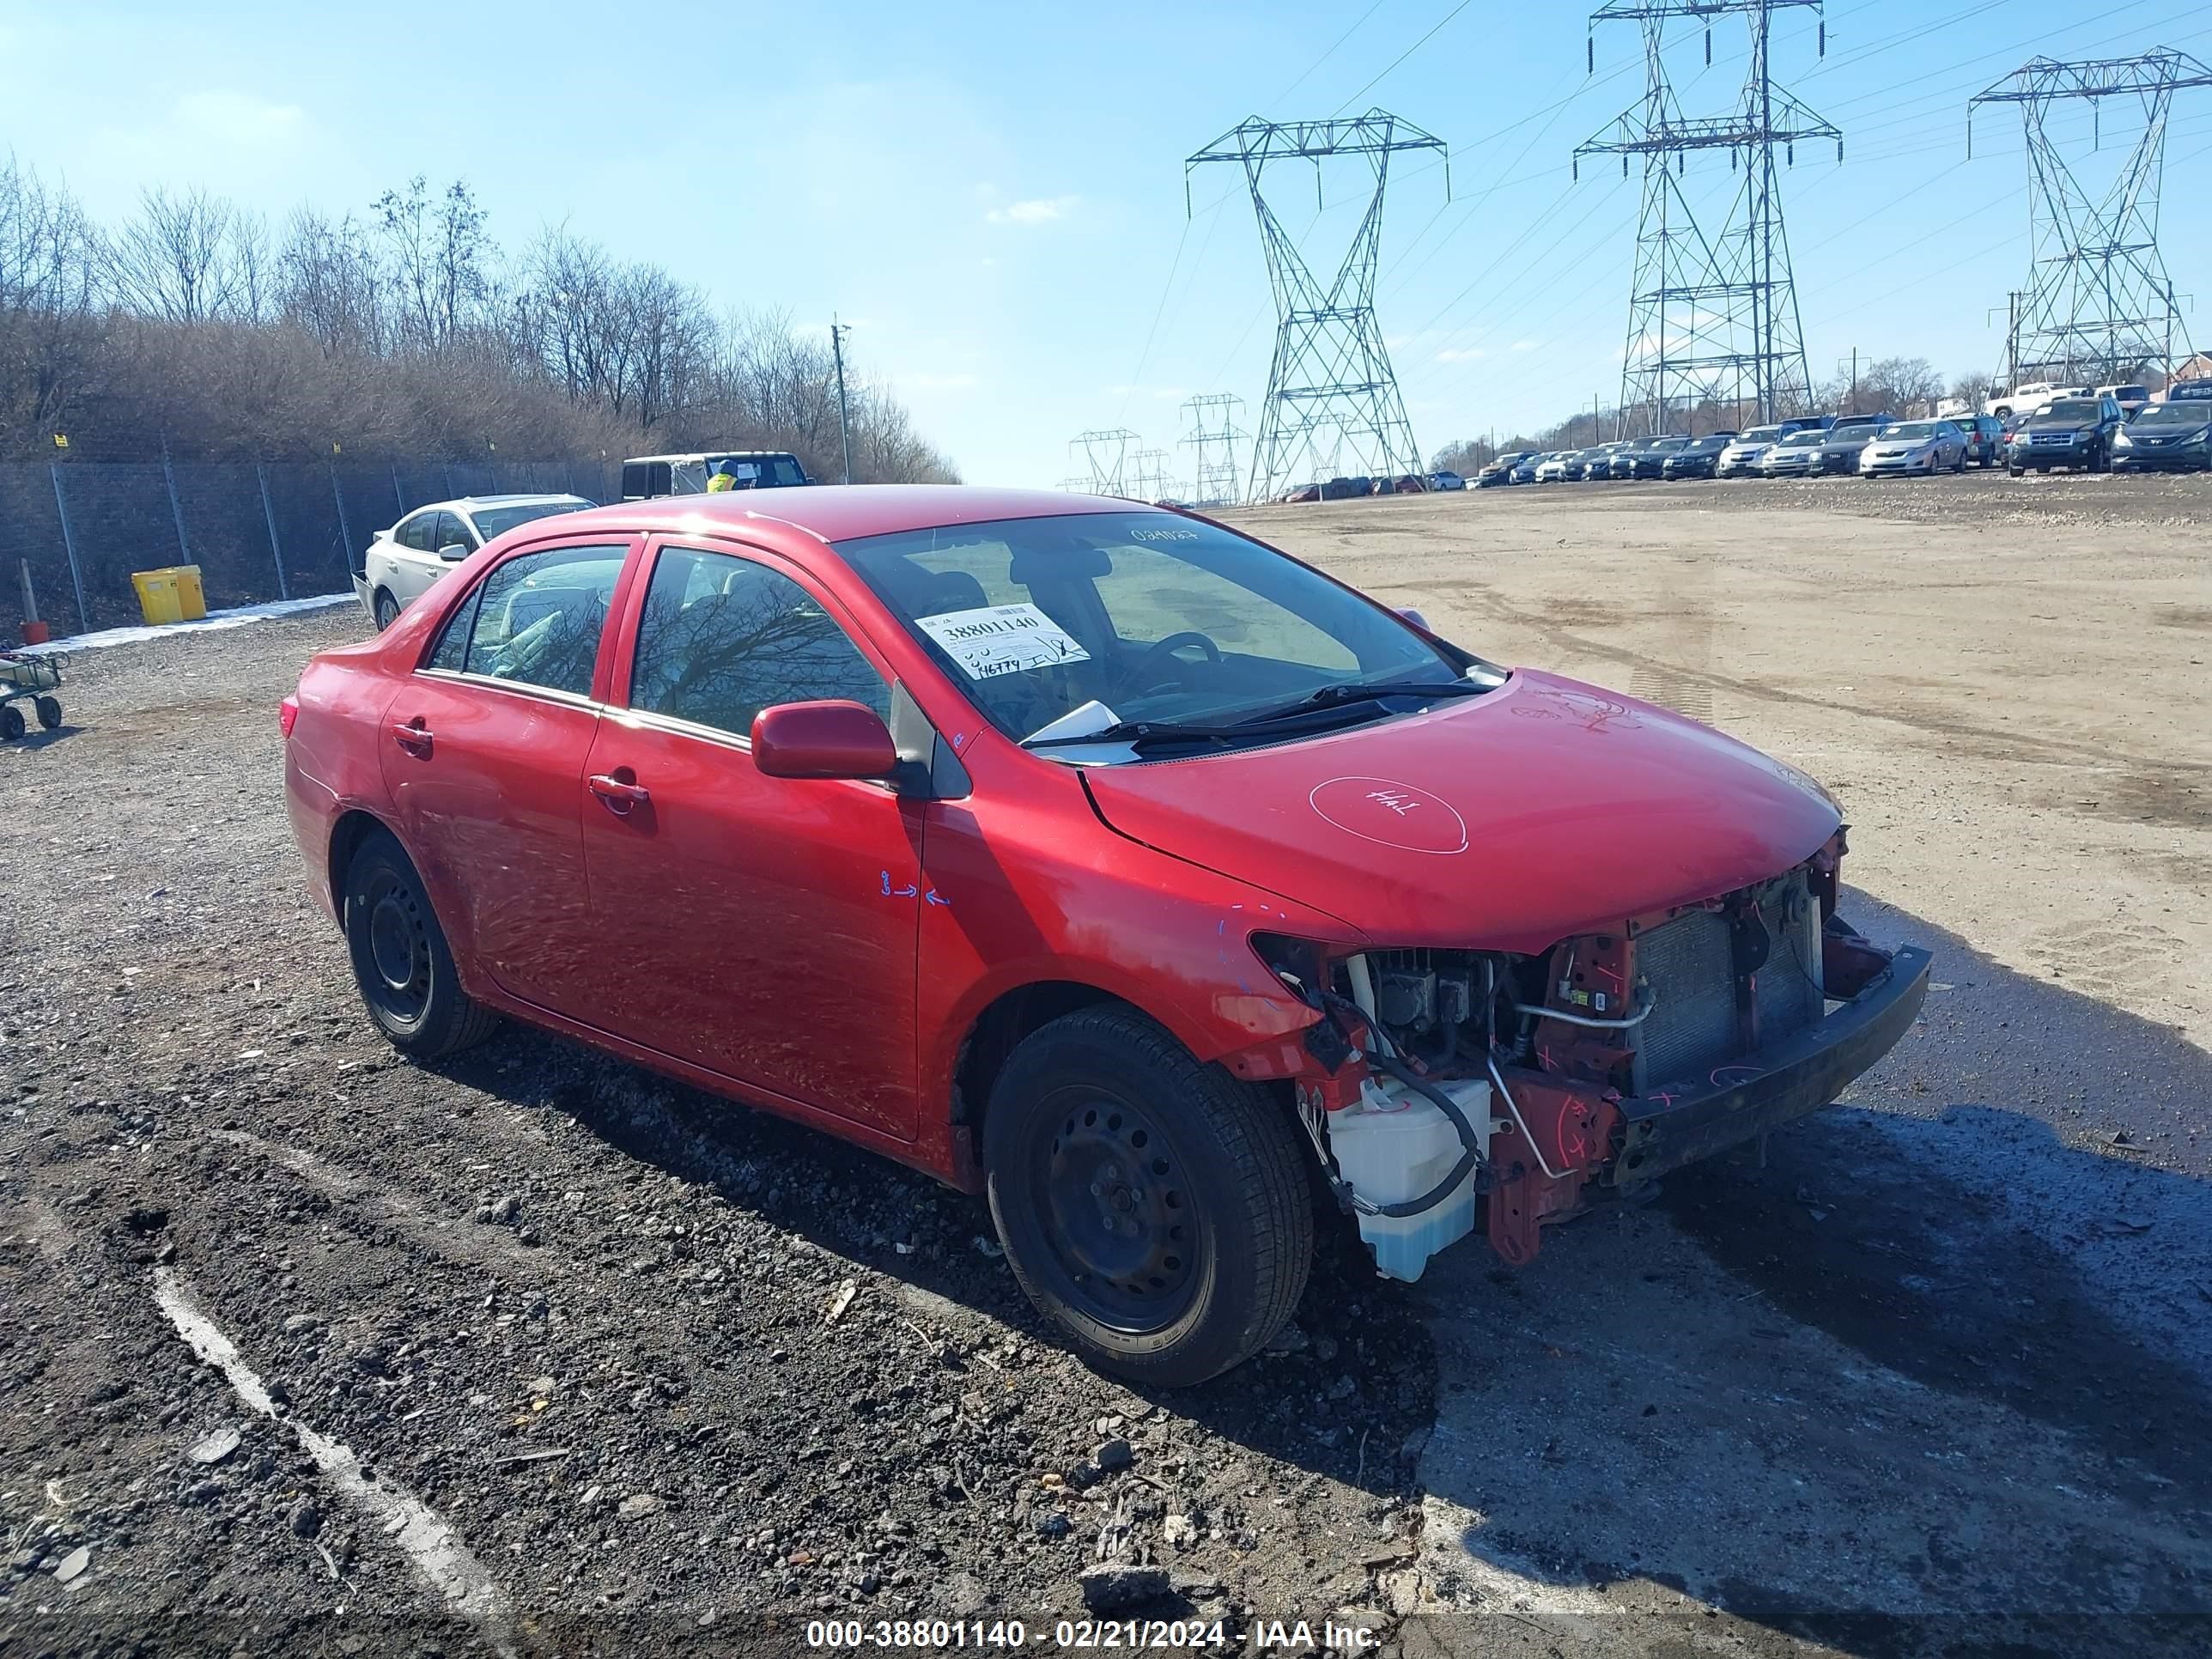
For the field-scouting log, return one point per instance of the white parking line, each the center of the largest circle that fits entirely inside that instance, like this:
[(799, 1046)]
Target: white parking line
[(435, 1548)]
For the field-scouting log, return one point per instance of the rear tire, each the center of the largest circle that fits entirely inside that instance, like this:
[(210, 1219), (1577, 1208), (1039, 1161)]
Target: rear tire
[(401, 963), (11, 722), (1154, 1209), (50, 712), (388, 610)]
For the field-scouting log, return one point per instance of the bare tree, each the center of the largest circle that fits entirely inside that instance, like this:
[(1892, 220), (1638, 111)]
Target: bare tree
[(328, 284), (178, 259), (437, 249)]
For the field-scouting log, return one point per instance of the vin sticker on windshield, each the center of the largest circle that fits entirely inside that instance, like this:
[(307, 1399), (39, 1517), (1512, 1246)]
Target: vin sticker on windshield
[(1001, 638)]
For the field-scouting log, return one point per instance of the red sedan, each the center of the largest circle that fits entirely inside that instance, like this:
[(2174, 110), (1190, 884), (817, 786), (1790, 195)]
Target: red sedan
[(1093, 856)]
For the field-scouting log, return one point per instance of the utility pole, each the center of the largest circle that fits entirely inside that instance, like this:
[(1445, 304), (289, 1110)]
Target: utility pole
[(1331, 384), (837, 332), (1712, 318), (2099, 304), (1854, 408)]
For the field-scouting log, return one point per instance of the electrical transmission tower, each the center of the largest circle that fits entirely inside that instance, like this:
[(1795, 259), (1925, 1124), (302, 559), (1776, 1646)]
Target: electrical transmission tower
[(1148, 474), (1213, 434), (2098, 305), (1105, 459), (1711, 319), (1330, 387)]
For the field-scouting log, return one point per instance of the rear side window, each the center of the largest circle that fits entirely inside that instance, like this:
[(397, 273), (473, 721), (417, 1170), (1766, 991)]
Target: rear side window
[(535, 620), (723, 638), (416, 533)]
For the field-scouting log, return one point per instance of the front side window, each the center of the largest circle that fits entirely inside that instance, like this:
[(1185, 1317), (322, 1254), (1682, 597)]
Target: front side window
[(535, 620), (1156, 618), (723, 638), (450, 532)]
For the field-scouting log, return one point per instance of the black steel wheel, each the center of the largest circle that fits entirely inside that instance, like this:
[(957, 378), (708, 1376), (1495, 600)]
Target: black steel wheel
[(401, 962), (1153, 1209), (11, 722), (50, 712)]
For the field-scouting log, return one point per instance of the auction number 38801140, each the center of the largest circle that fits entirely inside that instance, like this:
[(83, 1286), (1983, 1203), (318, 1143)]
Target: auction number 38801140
[(928, 1633)]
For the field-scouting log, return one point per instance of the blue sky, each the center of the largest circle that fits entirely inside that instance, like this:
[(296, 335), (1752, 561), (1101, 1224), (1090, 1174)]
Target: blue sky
[(993, 194)]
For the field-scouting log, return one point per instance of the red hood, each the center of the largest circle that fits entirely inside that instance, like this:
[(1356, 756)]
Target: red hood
[(1505, 822)]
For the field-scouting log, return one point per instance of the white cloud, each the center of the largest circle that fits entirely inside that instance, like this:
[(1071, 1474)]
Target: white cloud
[(1525, 346), (238, 118), (1038, 211), (1460, 354)]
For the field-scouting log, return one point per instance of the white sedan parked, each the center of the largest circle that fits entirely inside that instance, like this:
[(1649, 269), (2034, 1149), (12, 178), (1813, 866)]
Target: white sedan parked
[(1928, 447), (402, 562)]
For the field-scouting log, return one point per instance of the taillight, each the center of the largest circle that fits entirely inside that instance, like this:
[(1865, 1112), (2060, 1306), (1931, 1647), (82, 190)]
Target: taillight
[(288, 713)]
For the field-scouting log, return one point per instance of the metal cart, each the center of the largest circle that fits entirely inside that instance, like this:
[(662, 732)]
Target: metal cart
[(25, 677)]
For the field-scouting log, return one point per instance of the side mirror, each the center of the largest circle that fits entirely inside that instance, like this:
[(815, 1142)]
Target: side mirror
[(454, 552), (1415, 617), (828, 739)]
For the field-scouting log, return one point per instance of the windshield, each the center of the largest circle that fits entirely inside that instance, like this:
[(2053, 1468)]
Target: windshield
[(2129, 394), (1759, 435), (1154, 618), (2070, 409), (1700, 446), (1857, 431), (2192, 414), (1804, 439), (494, 521), (1912, 430)]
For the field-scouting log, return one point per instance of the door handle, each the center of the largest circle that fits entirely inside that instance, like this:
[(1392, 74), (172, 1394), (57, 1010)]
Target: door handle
[(412, 736), (620, 790)]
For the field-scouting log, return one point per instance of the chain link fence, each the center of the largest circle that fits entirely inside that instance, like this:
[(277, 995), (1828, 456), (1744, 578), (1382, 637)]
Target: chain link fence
[(280, 529)]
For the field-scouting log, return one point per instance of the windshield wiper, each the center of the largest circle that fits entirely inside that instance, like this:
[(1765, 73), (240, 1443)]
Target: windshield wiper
[(1137, 733), (1336, 696)]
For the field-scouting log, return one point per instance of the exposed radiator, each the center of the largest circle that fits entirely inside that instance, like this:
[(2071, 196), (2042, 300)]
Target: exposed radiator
[(1692, 1029)]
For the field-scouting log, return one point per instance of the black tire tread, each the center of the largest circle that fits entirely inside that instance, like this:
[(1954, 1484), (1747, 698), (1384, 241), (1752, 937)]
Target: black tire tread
[(1260, 1141)]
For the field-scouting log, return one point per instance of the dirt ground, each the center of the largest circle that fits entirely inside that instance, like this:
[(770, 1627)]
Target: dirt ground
[(548, 1340)]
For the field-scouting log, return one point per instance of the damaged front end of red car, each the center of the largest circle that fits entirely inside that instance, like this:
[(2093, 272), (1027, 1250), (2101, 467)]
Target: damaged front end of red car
[(1446, 1090)]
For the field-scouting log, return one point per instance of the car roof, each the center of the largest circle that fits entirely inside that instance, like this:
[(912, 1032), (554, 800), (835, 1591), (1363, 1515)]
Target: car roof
[(707, 455), (836, 513), (492, 500)]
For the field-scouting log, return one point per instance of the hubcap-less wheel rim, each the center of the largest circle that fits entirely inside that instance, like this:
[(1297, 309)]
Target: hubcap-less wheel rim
[(388, 612), (399, 949), (1118, 1212)]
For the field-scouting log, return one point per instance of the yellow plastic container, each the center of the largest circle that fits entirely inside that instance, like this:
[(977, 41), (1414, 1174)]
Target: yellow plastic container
[(191, 601), (173, 593), (158, 599)]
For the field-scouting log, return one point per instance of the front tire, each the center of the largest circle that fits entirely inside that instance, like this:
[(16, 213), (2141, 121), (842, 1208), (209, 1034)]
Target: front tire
[(401, 963), (388, 610), (1154, 1210)]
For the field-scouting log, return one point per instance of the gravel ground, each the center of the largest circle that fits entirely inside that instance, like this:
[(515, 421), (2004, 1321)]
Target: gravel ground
[(1938, 1359)]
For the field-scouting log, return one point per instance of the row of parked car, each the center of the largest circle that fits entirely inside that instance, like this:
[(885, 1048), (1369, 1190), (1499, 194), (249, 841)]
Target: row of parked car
[(1343, 488), (2089, 433)]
